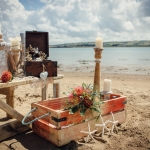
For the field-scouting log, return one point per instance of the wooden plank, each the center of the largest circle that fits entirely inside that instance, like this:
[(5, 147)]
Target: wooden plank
[(27, 80), (23, 81), (12, 112), (10, 129), (64, 135)]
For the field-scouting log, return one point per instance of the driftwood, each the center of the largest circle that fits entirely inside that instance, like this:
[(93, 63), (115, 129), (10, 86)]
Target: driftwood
[(13, 65), (10, 62), (21, 62)]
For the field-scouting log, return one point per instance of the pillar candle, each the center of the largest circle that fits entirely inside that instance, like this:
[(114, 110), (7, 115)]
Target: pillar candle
[(15, 43), (99, 43), (107, 85)]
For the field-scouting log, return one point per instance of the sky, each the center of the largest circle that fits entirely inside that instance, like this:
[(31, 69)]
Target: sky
[(71, 21)]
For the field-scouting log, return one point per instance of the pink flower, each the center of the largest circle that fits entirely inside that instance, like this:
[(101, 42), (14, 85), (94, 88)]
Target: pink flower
[(70, 96), (88, 91), (79, 90)]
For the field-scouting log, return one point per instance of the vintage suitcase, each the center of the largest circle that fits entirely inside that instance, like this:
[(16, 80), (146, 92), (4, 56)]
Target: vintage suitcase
[(34, 68), (60, 127)]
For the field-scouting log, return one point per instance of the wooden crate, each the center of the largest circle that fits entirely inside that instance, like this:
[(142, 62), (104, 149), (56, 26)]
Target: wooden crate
[(60, 117), (40, 40), (66, 134)]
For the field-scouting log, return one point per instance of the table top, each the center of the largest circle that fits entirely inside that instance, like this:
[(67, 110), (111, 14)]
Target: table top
[(29, 80)]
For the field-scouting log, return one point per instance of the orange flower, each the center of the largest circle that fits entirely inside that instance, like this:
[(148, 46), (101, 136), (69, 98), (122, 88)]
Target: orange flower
[(6, 76), (79, 90)]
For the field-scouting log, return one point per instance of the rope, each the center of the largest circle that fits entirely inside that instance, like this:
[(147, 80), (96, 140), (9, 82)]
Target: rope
[(36, 119), (44, 68)]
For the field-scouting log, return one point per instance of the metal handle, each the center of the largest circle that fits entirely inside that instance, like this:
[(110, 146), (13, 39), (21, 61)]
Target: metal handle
[(27, 123)]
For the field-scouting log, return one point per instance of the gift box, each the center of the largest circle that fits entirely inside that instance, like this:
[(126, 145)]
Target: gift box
[(40, 41)]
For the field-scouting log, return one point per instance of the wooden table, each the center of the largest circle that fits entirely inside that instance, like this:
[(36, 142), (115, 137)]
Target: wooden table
[(14, 127), (8, 88)]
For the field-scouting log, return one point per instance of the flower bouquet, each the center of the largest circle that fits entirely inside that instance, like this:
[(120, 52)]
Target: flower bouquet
[(82, 98)]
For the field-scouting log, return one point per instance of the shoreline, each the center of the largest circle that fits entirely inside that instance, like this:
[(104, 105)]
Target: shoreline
[(133, 70)]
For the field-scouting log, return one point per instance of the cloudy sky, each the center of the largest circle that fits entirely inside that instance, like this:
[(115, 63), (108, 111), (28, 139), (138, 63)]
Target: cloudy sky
[(71, 21)]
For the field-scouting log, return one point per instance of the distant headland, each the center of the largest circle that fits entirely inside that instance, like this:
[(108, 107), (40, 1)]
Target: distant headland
[(106, 44)]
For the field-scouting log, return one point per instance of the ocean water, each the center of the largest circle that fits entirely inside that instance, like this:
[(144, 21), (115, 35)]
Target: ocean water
[(111, 56)]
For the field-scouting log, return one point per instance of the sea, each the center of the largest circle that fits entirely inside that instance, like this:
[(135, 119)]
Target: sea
[(111, 56)]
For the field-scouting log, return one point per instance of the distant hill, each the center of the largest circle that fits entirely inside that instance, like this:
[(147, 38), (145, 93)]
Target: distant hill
[(106, 44)]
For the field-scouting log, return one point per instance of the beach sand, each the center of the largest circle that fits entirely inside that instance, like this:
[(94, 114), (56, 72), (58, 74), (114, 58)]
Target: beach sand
[(134, 134)]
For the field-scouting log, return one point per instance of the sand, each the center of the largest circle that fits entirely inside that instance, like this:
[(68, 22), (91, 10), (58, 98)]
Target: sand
[(134, 134)]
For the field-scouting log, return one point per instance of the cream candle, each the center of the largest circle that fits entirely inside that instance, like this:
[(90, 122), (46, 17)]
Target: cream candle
[(107, 85), (15, 43), (99, 43)]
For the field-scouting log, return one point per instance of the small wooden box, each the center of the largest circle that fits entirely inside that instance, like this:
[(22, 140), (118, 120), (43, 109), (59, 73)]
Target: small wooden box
[(34, 68), (60, 117)]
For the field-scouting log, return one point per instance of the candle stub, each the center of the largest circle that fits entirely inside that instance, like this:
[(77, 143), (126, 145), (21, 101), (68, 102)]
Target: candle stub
[(107, 85)]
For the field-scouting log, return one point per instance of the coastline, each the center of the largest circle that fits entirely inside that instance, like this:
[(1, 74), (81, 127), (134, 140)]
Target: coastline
[(144, 43), (133, 134)]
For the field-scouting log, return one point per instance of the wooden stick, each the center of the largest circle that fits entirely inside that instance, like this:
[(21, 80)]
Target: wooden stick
[(13, 112)]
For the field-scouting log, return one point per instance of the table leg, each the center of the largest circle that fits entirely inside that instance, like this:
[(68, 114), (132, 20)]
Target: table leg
[(56, 90), (10, 98), (9, 92), (44, 92)]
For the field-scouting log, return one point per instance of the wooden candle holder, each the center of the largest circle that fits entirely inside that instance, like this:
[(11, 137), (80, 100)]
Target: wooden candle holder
[(98, 56)]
